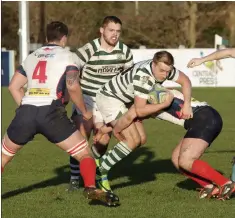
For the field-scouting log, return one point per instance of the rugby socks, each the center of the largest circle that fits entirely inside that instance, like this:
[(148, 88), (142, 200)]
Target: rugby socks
[(88, 171), (119, 151), (204, 170), (202, 182), (98, 150), (74, 169)]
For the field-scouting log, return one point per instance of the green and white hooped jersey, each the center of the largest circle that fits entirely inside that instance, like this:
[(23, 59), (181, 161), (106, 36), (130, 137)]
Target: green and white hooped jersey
[(99, 66), (136, 81)]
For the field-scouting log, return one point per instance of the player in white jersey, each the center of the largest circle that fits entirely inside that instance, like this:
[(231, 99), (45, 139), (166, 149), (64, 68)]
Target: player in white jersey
[(48, 72), (202, 130), (225, 53), (132, 87), (101, 59)]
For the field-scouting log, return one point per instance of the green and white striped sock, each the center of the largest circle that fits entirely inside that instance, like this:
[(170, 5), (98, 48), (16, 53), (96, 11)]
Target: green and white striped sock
[(113, 156)]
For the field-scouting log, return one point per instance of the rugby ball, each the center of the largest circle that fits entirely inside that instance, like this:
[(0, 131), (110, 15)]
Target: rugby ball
[(157, 94)]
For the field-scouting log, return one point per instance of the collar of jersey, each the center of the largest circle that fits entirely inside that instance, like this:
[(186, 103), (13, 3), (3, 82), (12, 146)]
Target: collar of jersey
[(52, 45), (115, 48)]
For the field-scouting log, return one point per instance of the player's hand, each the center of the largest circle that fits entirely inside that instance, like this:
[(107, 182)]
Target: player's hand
[(194, 62), (186, 112), (169, 99), (97, 136), (118, 135), (87, 116)]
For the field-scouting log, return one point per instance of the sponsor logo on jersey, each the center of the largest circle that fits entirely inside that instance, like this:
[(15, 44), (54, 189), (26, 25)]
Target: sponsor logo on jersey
[(108, 69), (144, 79), (39, 92), (40, 55)]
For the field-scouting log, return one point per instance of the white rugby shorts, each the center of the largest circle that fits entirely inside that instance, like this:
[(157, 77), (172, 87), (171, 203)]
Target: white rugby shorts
[(109, 107)]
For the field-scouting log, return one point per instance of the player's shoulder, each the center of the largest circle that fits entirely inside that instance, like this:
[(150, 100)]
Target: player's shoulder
[(71, 57), (123, 47), (174, 73), (91, 45), (143, 68)]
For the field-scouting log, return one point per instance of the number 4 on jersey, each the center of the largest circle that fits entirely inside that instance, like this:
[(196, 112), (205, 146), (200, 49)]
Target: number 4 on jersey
[(40, 72)]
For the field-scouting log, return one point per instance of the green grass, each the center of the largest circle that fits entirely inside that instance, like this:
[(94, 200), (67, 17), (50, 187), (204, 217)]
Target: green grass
[(34, 183)]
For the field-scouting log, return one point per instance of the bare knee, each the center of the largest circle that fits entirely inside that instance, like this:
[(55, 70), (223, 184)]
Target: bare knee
[(133, 141), (136, 140), (9, 149), (175, 160), (143, 139), (185, 162)]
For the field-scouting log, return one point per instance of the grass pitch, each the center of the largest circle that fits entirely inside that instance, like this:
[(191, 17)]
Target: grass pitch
[(34, 183)]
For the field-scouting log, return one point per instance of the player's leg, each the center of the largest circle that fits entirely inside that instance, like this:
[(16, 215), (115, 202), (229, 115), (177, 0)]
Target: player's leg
[(85, 127), (140, 128), (21, 130), (121, 150), (206, 128), (9, 149), (100, 147), (111, 109), (175, 160), (64, 134), (78, 148)]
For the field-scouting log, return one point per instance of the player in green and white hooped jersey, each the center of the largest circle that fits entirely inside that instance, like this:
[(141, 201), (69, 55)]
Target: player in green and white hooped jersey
[(133, 86), (100, 59)]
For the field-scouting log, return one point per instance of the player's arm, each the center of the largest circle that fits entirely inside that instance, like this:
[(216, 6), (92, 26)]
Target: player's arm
[(74, 90), (141, 93), (224, 53), (84, 53), (186, 85), (125, 120), (16, 86)]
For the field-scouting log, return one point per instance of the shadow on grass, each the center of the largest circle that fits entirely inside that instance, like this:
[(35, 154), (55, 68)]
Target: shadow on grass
[(144, 170), (141, 172), (221, 151)]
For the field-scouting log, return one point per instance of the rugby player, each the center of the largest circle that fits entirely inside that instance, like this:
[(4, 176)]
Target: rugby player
[(48, 72), (101, 59), (132, 87), (202, 130)]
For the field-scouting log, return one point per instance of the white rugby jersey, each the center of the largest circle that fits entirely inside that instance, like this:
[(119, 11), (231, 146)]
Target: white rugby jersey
[(136, 81), (99, 66), (46, 70)]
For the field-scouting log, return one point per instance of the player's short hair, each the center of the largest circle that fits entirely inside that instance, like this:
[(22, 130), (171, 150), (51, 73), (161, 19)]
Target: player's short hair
[(56, 30), (110, 19), (163, 56)]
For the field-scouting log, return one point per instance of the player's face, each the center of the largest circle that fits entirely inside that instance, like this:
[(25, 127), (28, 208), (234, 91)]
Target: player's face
[(161, 70), (111, 33)]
